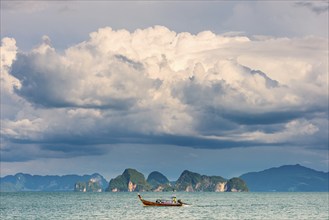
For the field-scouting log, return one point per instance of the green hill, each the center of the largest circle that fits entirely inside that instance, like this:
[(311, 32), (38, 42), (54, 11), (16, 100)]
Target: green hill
[(156, 178), (236, 184), (130, 180), (159, 182), (191, 182)]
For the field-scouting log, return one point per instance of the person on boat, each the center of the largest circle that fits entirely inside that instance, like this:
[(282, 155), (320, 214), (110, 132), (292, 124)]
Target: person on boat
[(174, 199)]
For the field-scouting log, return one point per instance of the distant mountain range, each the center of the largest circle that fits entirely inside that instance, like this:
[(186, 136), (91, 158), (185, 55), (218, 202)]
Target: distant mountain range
[(27, 182), (288, 178)]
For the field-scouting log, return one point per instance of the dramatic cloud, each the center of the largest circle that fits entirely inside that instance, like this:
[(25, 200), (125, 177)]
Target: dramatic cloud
[(155, 86)]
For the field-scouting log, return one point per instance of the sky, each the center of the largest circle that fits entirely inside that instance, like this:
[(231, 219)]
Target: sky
[(215, 87)]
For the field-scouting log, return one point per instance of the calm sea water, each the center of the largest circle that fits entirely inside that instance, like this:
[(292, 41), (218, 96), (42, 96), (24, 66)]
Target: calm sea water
[(60, 205)]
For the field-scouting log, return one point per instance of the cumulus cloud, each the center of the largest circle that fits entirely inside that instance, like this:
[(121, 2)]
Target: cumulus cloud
[(156, 86), (8, 55), (79, 79)]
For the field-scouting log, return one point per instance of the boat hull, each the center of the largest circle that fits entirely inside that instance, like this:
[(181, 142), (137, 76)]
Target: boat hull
[(149, 203)]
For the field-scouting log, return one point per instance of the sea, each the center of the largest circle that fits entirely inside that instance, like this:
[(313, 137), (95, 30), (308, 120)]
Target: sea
[(202, 205)]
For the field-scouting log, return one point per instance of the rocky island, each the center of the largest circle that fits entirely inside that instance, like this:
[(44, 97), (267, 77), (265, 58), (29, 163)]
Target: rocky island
[(159, 182), (131, 180), (92, 185), (194, 182)]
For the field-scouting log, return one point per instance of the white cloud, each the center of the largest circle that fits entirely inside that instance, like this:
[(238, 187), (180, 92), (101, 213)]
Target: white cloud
[(8, 55), (138, 87)]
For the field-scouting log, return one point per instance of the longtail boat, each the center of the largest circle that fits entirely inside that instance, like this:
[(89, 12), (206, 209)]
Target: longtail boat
[(159, 202)]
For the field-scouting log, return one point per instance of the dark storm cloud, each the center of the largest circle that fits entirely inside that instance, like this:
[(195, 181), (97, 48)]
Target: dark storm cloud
[(224, 121), (70, 146), (262, 118), (37, 85), (21, 151), (206, 143)]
